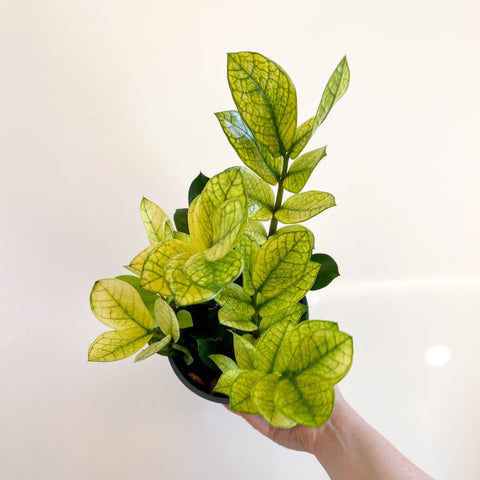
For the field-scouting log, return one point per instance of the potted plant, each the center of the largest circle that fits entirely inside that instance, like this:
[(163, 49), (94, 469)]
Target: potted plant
[(220, 294)]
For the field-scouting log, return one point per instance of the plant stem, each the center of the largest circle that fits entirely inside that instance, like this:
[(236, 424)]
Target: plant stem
[(278, 200)]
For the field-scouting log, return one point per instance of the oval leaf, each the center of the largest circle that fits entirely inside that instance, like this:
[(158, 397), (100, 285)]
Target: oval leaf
[(303, 206), (241, 392), (153, 349), (166, 319), (281, 260), (117, 345), (235, 299), (233, 320), (157, 224), (328, 270), (245, 145), (301, 169), (118, 305), (266, 99), (245, 354)]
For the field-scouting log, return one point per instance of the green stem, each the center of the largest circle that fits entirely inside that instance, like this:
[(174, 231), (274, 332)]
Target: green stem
[(278, 200)]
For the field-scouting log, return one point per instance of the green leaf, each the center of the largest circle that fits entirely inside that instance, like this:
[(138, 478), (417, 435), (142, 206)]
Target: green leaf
[(136, 265), (245, 354), (269, 346), (226, 380), (257, 231), (291, 294), (318, 348), (263, 395), (223, 362), (247, 148), (202, 212), (187, 356), (241, 392), (248, 249), (235, 299), (266, 99), (335, 89), (306, 399), (184, 290), (303, 206), (166, 319), (184, 318), (153, 349), (228, 224), (302, 136), (281, 260), (180, 217), (118, 305), (328, 270), (153, 271), (207, 347), (301, 169), (117, 345), (148, 298), (233, 320), (196, 187), (157, 224), (213, 275), (292, 314), (260, 196)]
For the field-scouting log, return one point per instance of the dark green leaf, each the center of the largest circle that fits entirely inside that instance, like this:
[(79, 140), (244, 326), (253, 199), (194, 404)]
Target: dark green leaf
[(196, 187), (180, 218), (328, 270)]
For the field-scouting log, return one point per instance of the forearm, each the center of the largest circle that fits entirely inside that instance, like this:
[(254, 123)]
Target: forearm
[(350, 449)]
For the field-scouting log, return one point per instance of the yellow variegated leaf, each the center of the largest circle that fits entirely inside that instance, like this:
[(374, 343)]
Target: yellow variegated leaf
[(270, 344), (292, 314), (213, 275), (336, 87), (234, 320), (260, 196), (201, 214), (244, 143), (302, 206), (228, 225), (263, 395), (248, 249), (289, 295), (117, 304), (245, 354), (265, 98), (223, 362), (200, 224), (157, 224), (241, 392), (166, 319), (235, 299), (257, 231), (302, 136), (136, 265), (118, 344), (153, 349), (281, 260), (153, 273), (183, 289), (301, 169), (306, 399), (185, 238), (225, 382)]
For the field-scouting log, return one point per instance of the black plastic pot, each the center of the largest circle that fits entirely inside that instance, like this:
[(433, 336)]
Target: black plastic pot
[(181, 371)]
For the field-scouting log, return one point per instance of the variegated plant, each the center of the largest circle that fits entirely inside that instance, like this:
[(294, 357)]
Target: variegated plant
[(274, 362)]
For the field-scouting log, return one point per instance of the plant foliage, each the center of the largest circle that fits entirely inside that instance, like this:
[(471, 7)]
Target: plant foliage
[(216, 288)]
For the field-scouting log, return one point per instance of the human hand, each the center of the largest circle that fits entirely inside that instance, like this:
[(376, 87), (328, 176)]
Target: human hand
[(305, 439)]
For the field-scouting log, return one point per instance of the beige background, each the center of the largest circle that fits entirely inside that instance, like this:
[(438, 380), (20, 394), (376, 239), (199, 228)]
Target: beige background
[(102, 102)]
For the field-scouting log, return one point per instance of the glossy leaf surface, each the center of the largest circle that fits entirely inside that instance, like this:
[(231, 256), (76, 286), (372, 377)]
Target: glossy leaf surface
[(157, 223), (265, 98), (303, 206), (328, 270), (166, 319), (301, 169)]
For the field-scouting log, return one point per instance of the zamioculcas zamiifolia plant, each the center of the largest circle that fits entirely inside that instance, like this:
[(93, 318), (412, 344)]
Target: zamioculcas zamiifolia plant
[(222, 295)]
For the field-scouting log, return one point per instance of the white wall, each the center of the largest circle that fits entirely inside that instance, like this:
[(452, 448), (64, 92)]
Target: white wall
[(102, 102)]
